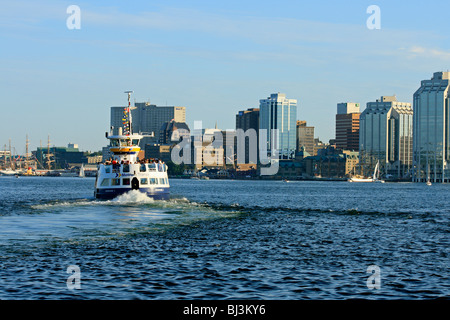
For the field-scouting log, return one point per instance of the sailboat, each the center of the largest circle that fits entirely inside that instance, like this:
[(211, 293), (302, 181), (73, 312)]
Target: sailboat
[(81, 174), (375, 176), (428, 176)]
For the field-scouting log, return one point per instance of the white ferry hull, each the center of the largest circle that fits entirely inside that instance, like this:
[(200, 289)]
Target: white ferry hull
[(148, 178), (111, 193)]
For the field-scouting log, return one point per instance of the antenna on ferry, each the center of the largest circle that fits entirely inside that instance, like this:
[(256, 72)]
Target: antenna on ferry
[(128, 111)]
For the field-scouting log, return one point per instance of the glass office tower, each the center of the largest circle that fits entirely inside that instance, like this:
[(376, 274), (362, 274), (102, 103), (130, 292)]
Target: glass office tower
[(432, 129), (386, 136), (278, 112)]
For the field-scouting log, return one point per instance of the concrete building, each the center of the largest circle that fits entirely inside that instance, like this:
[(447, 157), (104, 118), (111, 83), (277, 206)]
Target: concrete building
[(279, 112), (347, 126), (386, 135), (172, 132), (245, 120), (147, 119), (305, 137), (431, 147), (156, 151), (61, 157)]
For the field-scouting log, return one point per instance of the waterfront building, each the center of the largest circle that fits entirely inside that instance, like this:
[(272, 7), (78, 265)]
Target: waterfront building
[(245, 120), (172, 132), (305, 137), (279, 112), (347, 126), (157, 151), (351, 162), (386, 135), (62, 157), (229, 147), (431, 146)]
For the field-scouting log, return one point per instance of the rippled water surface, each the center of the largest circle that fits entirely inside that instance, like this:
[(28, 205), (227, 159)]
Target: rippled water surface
[(224, 239)]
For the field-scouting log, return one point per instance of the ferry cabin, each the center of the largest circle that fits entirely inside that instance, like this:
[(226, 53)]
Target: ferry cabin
[(124, 172)]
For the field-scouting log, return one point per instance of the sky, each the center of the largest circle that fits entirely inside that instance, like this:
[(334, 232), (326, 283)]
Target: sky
[(213, 57)]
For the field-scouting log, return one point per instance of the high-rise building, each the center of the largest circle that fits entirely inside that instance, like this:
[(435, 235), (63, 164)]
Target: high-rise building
[(386, 136), (172, 132), (278, 112), (305, 137), (147, 119), (245, 120), (432, 129), (347, 126)]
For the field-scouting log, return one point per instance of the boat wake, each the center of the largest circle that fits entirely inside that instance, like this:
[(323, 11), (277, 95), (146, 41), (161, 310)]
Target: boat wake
[(133, 197)]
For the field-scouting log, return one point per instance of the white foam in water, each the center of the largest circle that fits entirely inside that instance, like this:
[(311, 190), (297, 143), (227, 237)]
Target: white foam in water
[(133, 196)]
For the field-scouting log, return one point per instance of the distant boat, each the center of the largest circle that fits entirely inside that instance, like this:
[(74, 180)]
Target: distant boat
[(81, 175), (375, 176), (428, 176), (8, 172)]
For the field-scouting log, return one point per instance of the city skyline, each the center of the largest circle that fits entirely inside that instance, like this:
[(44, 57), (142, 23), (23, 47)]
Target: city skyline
[(215, 59)]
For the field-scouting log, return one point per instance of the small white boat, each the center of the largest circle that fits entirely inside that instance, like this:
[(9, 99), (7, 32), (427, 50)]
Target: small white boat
[(375, 177), (9, 172), (428, 176), (81, 174)]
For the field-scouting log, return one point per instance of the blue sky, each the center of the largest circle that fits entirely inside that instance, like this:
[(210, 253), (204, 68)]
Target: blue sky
[(215, 58)]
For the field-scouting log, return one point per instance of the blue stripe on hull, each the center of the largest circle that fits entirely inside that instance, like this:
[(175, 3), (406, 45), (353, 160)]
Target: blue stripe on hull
[(115, 192)]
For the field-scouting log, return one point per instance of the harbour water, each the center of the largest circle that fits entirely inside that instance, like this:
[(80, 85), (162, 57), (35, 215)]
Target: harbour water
[(224, 239)]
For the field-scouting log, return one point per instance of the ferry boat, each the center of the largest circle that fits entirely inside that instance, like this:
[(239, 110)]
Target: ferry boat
[(124, 172)]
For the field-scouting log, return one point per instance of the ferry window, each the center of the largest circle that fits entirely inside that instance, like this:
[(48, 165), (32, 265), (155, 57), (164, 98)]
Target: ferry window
[(126, 181), (152, 166), (144, 181), (105, 182), (153, 181), (126, 168), (114, 143), (115, 182), (123, 142), (107, 169), (161, 180), (160, 167), (143, 168), (135, 142), (167, 182)]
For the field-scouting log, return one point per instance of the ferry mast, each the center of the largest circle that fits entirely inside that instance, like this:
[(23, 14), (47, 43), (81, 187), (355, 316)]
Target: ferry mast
[(127, 123)]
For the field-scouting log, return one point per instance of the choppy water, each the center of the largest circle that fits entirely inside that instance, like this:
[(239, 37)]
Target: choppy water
[(224, 240)]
